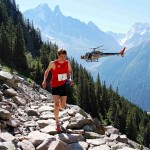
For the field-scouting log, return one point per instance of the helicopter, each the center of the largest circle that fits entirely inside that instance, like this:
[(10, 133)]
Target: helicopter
[(95, 54)]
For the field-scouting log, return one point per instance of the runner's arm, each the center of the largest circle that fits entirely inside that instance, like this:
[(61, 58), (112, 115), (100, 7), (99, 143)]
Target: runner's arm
[(70, 73), (50, 66)]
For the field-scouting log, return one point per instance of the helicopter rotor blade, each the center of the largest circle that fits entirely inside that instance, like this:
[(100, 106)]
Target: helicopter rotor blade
[(99, 46), (94, 48)]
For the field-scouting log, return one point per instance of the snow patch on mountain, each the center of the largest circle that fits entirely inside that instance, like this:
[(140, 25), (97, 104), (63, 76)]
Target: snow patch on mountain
[(138, 33)]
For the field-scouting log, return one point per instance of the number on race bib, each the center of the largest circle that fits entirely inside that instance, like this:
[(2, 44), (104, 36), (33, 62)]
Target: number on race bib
[(62, 77)]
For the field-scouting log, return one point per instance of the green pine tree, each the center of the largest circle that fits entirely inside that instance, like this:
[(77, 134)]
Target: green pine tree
[(20, 61), (131, 126), (5, 47)]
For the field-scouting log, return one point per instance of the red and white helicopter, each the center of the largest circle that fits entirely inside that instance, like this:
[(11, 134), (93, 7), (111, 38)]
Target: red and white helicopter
[(95, 54)]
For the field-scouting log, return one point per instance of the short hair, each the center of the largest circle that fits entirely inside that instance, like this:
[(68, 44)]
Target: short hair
[(61, 51)]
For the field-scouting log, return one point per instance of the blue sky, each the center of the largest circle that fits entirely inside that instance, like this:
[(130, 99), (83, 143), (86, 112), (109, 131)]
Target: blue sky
[(109, 15)]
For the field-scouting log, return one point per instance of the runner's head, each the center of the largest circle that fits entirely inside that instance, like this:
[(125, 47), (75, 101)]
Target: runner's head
[(62, 54), (61, 51)]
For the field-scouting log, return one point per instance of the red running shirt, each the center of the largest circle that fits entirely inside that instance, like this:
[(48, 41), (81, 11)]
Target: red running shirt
[(59, 73)]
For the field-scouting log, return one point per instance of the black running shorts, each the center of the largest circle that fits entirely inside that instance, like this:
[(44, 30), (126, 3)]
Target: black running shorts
[(60, 90)]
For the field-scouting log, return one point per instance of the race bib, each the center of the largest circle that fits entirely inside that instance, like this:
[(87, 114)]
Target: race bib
[(62, 77)]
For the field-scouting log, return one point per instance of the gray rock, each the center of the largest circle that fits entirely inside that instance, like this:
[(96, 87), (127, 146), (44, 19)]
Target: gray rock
[(126, 148), (79, 146), (112, 130), (44, 123), (101, 147), (92, 135), (88, 128), (32, 112), (13, 123), (2, 146), (44, 98), (26, 145), (1, 94), (118, 146), (45, 108), (78, 121), (5, 136), (9, 145), (47, 115), (4, 114), (5, 75), (50, 129), (58, 145), (37, 137), (19, 101), (96, 142), (69, 138), (122, 139), (10, 92), (45, 144)]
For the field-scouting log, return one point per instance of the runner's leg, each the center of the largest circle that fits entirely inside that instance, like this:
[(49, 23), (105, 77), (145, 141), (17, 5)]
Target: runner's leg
[(56, 107), (63, 102)]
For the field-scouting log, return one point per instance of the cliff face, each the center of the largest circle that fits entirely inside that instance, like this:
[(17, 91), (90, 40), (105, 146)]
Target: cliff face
[(27, 122)]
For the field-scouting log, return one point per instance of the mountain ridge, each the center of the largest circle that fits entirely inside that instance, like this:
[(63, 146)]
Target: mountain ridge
[(71, 32)]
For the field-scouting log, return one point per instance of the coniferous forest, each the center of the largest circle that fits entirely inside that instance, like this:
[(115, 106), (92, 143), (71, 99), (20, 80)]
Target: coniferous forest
[(22, 50)]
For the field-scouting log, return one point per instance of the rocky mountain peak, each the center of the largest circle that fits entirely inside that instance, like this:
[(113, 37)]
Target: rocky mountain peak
[(93, 26), (138, 33), (138, 27), (43, 7), (27, 122), (57, 10)]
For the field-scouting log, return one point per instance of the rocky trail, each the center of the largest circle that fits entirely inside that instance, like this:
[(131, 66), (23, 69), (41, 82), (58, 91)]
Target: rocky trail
[(27, 122)]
